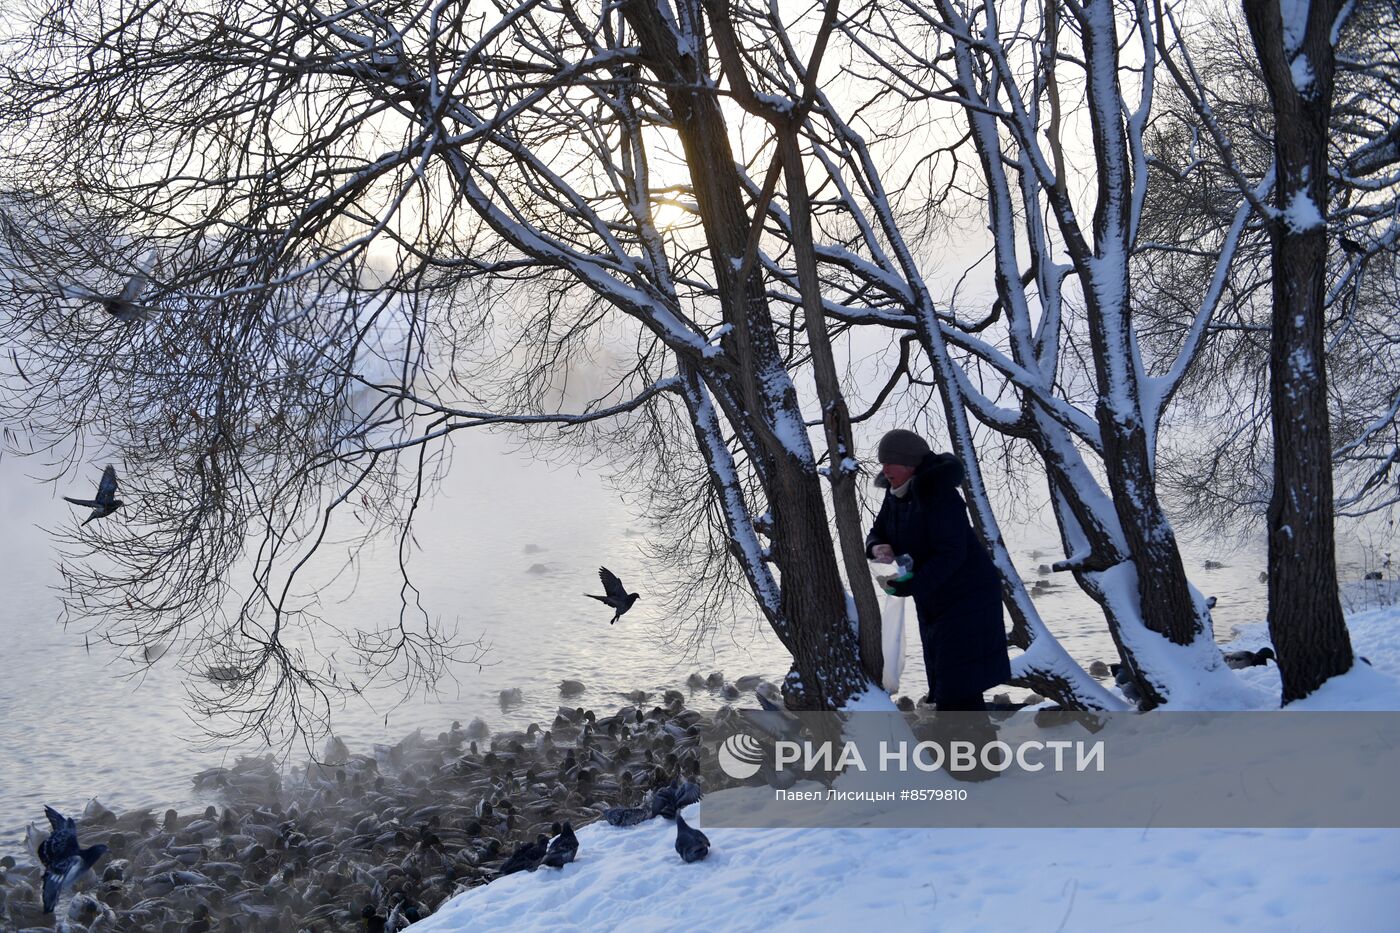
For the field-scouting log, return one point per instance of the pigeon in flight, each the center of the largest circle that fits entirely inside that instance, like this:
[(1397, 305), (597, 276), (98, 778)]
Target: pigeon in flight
[(618, 597), (678, 795), (691, 844), (106, 501), (122, 305), (63, 861)]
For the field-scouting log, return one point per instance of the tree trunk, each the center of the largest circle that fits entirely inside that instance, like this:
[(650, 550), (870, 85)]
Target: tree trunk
[(836, 418), (1164, 594), (1305, 613), (826, 665)]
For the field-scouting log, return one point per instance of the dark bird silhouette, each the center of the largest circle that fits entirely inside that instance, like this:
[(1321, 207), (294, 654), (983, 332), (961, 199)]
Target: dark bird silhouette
[(563, 848), (618, 597), (691, 844), (106, 501), (527, 857), (1351, 246), (678, 795), (1239, 659), (123, 305), (1124, 679), (63, 861)]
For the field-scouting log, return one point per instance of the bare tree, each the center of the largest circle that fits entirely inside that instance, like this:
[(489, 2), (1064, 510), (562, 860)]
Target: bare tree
[(378, 225), (1331, 301), (1305, 611), (262, 152), (1220, 469), (1054, 361)]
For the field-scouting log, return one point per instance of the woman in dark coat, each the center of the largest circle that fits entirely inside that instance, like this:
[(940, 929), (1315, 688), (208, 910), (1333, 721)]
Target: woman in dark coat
[(956, 587)]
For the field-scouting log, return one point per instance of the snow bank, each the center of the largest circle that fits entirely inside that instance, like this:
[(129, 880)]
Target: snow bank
[(922, 879), (980, 879), (1375, 635)]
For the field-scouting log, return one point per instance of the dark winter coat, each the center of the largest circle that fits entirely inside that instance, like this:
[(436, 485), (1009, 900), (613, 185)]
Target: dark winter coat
[(956, 590)]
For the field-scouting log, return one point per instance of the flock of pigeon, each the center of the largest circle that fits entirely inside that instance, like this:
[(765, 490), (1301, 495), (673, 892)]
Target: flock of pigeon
[(105, 503), (125, 307), (370, 842)]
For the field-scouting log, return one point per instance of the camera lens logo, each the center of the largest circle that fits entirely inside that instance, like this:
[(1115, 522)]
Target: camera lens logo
[(740, 756)]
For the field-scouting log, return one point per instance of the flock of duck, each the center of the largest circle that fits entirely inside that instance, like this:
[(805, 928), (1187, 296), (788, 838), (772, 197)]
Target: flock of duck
[(368, 841), (378, 841)]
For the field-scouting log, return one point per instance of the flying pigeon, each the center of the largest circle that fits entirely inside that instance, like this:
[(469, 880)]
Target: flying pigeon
[(618, 597), (563, 849), (122, 305), (63, 861), (1239, 659), (106, 501), (669, 800), (691, 844)]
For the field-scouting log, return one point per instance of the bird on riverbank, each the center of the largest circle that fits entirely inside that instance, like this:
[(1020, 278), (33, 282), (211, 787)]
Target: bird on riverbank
[(1242, 659), (106, 501), (1123, 678), (563, 847), (691, 844), (63, 861), (617, 596), (626, 816), (527, 857), (667, 801)]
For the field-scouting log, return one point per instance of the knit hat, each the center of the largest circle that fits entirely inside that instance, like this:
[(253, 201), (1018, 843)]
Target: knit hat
[(902, 447)]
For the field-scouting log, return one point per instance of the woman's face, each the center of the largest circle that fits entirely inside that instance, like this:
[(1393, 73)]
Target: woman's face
[(897, 473)]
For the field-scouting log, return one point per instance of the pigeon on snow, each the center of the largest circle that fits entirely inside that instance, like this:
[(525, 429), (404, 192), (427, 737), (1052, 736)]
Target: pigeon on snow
[(691, 844), (1241, 659), (563, 848), (626, 816), (106, 501), (527, 857), (618, 597)]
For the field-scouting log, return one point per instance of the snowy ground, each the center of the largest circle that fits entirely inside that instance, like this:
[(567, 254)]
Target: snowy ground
[(981, 879)]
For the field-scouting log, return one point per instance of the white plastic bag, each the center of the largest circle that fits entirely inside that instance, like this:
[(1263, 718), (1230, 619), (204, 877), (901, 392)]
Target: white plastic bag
[(892, 640)]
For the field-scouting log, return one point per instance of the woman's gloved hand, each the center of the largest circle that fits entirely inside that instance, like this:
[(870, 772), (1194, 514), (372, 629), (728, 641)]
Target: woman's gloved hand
[(900, 588)]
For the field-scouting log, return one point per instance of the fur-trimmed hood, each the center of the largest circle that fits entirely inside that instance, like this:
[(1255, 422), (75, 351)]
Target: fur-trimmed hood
[(935, 472)]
